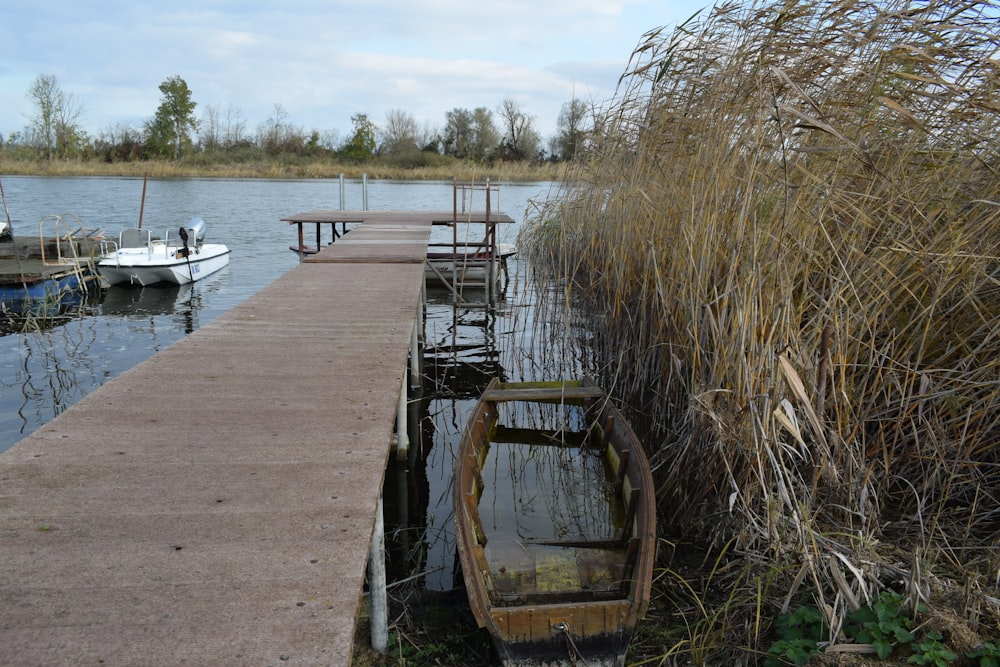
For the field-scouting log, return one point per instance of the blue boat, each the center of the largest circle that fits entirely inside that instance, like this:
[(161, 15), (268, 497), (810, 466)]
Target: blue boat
[(43, 276)]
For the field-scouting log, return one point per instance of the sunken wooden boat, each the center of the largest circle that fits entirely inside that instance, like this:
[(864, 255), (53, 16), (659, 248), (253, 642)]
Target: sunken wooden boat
[(555, 523)]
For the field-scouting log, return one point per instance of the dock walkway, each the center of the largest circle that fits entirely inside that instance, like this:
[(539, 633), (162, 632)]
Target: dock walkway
[(215, 504)]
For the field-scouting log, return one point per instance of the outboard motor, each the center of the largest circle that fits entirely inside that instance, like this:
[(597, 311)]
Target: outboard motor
[(196, 231)]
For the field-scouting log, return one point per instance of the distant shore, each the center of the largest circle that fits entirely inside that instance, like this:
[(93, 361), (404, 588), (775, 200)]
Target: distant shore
[(464, 171)]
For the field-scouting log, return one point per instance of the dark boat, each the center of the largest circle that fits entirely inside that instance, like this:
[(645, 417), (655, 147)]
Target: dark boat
[(555, 522)]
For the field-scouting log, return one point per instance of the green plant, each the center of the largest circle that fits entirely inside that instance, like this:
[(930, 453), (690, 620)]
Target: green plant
[(988, 654), (931, 651), (800, 632), (882, 625)]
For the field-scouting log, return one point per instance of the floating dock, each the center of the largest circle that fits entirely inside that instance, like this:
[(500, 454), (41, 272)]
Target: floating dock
[(216, 505), (47, 270)]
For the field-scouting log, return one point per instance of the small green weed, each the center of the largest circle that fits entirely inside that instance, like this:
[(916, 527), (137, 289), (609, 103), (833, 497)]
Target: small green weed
[(883, 624), (988, 655), (931, 651), (800, 631)]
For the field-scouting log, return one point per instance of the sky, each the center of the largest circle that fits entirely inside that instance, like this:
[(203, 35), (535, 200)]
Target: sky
[(319, 62)]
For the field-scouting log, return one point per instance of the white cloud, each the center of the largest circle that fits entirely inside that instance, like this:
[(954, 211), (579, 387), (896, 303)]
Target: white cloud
[(323, 61)]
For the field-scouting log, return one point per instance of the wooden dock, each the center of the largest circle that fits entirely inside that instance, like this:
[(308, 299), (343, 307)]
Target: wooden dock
[(216, 504), (376, 225)]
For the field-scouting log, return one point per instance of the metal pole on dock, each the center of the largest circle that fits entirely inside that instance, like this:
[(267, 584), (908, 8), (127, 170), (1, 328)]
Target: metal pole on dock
[(341, 192), (364, 190), (142, 204), (376, 584), (6, 212)]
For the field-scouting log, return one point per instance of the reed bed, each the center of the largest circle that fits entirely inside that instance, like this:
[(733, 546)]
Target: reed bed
[(207, 166), (784, 243)]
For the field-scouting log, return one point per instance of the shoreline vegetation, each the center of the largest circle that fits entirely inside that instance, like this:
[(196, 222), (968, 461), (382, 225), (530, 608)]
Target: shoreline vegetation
[(786, 246), (297, 168)]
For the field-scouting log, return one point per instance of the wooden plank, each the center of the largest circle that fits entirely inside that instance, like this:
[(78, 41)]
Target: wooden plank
[(542, 437), (561, 392)]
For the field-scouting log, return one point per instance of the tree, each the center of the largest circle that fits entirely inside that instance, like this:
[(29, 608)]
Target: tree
[(399, 135), (277, 134), (361, 145), (55, 123), (235, 126), (456, 138), (171, 127), (570, 133), (520, 141), (222, 129), (119, 143), (470, 134), (484, 135)]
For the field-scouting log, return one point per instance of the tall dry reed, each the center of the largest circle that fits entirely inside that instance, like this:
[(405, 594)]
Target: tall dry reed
[(786, 241)]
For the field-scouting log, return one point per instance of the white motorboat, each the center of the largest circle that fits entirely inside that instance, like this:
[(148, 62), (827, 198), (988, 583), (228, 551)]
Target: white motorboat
[(178, 258)]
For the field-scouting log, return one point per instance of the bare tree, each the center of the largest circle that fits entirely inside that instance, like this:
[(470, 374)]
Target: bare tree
[(572, 132), (235, 127), (520, 141), (277, 134), (399, 134), (210, 136), (119, 143), (55, 123)]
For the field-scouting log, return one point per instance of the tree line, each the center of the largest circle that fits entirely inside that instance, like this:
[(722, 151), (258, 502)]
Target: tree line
[(176, 130)]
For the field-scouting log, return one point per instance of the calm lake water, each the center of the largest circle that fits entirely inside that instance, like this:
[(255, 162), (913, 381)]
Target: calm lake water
[(42, 372)]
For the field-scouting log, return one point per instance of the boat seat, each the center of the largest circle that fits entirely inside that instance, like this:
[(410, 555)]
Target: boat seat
[(134, 238)]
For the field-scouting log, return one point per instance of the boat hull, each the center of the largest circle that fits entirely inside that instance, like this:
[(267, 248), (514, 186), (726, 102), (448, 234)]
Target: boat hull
[(536, 614), (159, 264)]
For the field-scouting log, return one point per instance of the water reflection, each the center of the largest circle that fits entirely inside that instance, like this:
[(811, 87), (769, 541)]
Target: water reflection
[(544, 481), (56, 358), (28, 315), (54, 370), (465, 347), (460, 350), (459, 357), (181, 302)]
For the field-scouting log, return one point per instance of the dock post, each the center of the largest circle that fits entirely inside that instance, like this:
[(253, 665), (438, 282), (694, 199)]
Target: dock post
[(415, 353), (364, 191), (376, 584), (341, 194), (402, 438), (417, 342)]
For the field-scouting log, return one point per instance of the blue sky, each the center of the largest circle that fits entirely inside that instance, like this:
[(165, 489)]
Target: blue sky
[(322, 61)]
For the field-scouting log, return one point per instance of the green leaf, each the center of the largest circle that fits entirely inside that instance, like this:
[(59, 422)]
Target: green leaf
[(883, 648)]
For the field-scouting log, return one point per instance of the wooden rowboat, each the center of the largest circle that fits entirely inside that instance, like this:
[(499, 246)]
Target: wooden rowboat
[(555, 522)]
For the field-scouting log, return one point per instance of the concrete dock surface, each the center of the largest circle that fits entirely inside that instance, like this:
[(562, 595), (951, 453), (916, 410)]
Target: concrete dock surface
[(215, 504)]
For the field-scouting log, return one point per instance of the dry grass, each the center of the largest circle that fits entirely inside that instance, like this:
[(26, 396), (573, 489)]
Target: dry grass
[(787, 240), (299, 168)]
